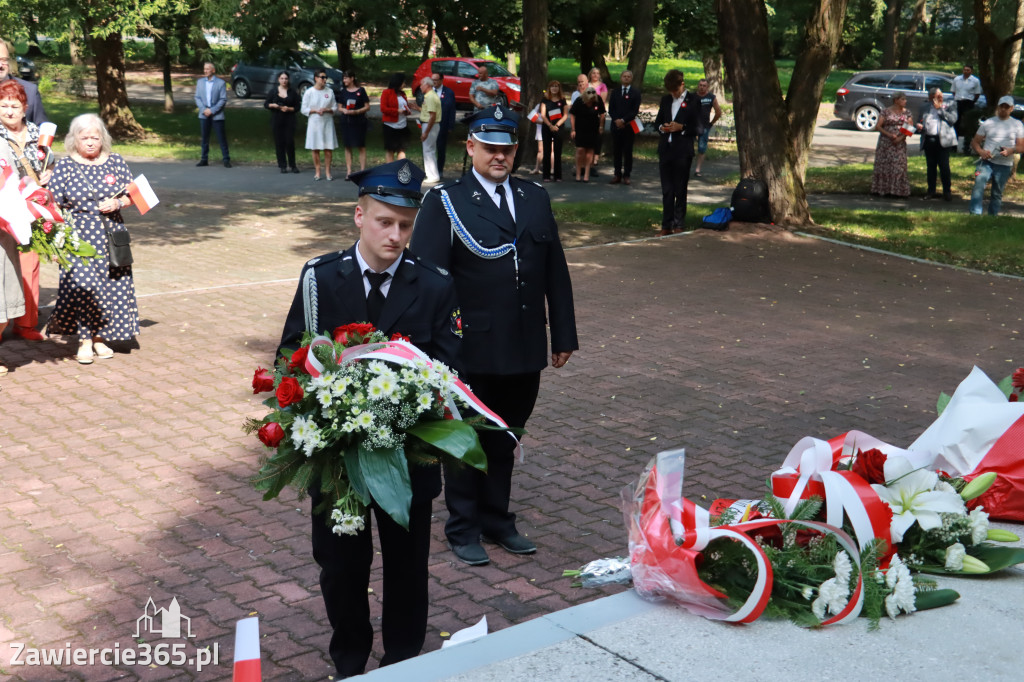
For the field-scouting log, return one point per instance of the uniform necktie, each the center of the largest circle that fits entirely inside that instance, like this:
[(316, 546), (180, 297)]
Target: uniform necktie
[(503, 203), (375, 299)]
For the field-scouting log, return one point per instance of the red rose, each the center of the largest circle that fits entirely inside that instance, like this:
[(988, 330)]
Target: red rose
[(353, 333), (271, 434), (298, 360), (400, 337), (262, 381), (870, 465), (47, 227), (1018, 378), (288, 391), (1013, 398)]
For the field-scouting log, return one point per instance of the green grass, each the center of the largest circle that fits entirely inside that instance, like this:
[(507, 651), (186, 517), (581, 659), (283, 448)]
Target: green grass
[(982, 243)]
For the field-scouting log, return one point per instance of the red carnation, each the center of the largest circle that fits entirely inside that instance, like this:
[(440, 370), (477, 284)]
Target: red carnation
[(288, 391), (1014, 398), (870, 465), (400, 337), (47, 227), (1018, 379), (298, 360), (262, 381), (271, 434)]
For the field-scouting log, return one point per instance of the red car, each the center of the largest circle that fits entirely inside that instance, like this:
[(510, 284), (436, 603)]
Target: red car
[(460, 72)]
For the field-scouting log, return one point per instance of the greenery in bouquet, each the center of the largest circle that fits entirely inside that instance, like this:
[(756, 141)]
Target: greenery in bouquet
[(354, 431), (931, 526), (57, 241), (814, 578)]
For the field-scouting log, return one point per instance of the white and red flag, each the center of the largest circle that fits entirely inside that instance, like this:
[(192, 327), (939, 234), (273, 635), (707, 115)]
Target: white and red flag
[(142, 194), (247, 651), (47, 131), (535, 115), (636, 125)]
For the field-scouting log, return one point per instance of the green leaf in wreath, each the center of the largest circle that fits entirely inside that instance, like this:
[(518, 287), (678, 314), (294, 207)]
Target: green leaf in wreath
[(933, 599), (386, 473), (456, 438), (997, 557), (355, 476), (1006, 385), (944, 399)]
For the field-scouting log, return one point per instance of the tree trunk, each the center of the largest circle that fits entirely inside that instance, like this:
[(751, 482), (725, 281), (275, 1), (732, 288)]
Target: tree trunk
[(643, 39), (163, 57), (533, 68), (713, 72), (74, 44), (447, 50), (343, 45), (908, 35), (110, 88), (588, 37), (998, 58), (510, 63), (462, 42), (774, 135), (428, 43), (890, 30), (601, 48), (32, 26)]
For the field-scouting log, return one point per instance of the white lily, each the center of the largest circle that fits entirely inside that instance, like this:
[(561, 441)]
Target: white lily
[(912, 496)]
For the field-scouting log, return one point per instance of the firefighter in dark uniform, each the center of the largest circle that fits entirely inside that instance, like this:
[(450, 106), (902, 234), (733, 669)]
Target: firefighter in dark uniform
[(377, 280), (497, 235)]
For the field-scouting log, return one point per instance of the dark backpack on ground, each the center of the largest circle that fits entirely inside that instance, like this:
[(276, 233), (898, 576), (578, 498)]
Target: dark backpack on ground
[(750, 202), (718, 219)]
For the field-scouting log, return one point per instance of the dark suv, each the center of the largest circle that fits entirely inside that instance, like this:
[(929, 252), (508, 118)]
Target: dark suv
[(865, 94), (258, 76)]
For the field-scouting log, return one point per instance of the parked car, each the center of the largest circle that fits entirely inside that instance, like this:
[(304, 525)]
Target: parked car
[(26, 68), (257, 77), (866, 94), (460, 72)]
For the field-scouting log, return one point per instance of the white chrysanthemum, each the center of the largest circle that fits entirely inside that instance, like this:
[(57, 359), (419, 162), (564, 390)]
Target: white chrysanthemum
[(808, 592), (843, 569), (340, 385), (892, 575), (832, 598), (375, 389), (424, 401), (979, 525), (364, 420), (899, 580), (955, 554), (321, 382), (301, 430), (377, 367)]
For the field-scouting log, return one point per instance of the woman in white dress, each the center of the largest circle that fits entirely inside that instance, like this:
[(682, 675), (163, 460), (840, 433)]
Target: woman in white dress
[(319, 105)]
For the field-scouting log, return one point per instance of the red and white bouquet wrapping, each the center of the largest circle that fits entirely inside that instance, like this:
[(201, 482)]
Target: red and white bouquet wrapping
[(846, 527)]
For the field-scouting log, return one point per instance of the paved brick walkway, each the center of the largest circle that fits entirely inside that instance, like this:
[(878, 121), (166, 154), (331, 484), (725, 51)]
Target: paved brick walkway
[(127, 480)]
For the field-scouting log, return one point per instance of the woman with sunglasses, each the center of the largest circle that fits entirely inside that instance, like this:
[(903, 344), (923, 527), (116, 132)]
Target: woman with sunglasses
[(318, 104)]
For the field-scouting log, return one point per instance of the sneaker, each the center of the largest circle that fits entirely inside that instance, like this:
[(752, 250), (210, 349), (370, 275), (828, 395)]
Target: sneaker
[(227, 163), (204, 162)]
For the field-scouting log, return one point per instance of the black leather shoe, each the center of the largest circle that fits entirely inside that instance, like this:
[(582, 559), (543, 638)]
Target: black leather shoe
[(203, 163), (284, 170), (930, 195), (947, 197), (474, 554), (294, 169), (516, 544), (227, 164)]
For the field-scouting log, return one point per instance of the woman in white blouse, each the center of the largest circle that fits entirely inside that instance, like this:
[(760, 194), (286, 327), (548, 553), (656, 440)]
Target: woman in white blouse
[(318, 104)]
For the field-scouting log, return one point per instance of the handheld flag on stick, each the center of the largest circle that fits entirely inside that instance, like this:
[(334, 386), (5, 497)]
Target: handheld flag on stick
[(247, 651), (142, 194), (636, 125)]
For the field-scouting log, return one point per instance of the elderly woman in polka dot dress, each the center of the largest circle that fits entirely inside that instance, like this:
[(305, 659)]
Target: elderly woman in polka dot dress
[(94, 300)]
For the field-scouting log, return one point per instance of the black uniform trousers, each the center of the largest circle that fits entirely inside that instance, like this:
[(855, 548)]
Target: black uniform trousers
[(622, 146), (345, 575), (937, 158), (477, 502), (962, 107), (551, 140), (674, 168), (282, 127)]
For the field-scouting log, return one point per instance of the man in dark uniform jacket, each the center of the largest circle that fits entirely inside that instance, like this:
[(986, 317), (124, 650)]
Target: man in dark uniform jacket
[(447, 121), (419, 302), (623, 107), (498, 237), (678, 123)]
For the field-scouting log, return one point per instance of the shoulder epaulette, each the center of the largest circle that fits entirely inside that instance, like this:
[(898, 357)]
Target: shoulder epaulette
[(326, 258)]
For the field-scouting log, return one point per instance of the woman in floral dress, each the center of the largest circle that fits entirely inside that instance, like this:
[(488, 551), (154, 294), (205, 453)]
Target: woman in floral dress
[(94, 300), (890, 177)]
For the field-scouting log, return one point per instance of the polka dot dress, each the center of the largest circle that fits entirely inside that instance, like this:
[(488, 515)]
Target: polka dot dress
[(93, 299)]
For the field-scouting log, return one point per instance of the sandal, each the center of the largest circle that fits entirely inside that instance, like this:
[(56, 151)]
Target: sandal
[(84, 356), (103, 351), (3, 370)]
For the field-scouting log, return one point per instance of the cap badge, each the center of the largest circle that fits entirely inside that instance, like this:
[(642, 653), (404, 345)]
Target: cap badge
[(497, 114), (405, 174)]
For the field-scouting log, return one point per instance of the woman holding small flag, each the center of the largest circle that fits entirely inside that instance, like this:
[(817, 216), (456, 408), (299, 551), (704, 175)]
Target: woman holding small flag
[(95, 300), (24, 147), (894, 126), (554, 114)]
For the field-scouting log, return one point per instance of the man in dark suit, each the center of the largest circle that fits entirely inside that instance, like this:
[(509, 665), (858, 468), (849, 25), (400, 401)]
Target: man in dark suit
[(34, 111), (498, 237), (623, 107), (378, 278), (211, 98), (447, 96), (678, 122)]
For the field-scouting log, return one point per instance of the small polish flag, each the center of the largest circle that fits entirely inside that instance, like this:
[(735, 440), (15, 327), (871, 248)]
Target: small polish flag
[(247, 651), (47, 132), (636, 125), (142, 194), (907, 129), (535, 115)]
